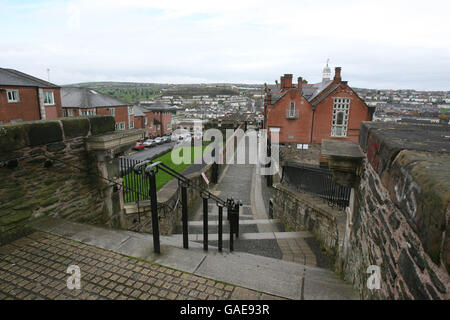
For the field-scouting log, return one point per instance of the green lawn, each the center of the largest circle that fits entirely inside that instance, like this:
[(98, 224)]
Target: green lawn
[(141, 183)]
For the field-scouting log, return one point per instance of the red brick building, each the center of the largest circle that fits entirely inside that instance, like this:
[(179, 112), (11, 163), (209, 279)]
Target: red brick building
[(159, 119), (145, 119), (25, 98), (86, 102), (305, 113)]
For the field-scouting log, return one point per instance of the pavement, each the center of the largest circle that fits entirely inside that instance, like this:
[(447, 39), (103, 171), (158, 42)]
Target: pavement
[(258, 234), (35, 268), (115, 263)]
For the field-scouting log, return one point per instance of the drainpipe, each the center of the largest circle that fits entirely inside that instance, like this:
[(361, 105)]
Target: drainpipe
[(39, 102), (312, 125)]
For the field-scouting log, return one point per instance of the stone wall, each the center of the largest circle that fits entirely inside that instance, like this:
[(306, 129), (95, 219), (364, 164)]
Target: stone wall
[(401, 216), (399, 213), (381, 235), (299, 211), (46, 170)]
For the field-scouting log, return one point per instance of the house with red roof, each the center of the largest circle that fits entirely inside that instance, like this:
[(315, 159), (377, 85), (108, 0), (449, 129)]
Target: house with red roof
[(306, 113)]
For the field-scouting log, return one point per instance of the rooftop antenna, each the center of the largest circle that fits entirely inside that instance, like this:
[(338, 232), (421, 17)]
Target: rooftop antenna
[(328, 60), (48, 74)]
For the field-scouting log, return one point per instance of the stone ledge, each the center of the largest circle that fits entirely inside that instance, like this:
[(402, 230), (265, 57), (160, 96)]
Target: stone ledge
[(14, 136), (344, 159), (113, 140), (311, 201), (382, 141), (413, 162)]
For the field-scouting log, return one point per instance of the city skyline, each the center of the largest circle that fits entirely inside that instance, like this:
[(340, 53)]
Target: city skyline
[(378, 45)]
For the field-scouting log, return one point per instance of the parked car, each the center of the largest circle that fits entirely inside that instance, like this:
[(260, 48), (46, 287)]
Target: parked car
[(139, 146), (158, 140), (165, 139), (149, 143)]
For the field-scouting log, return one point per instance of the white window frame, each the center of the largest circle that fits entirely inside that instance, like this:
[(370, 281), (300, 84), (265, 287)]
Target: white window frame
[(274, 129), (88, 112), (13, 96), (70, 113), (151, 124), (49, 97), (112, 112), (130, 110), (292, 109), (120, 125), (145, 121), (131, 125), (340, 106)]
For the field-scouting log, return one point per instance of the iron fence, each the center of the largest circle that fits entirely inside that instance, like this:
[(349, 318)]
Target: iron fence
[(316, 181), (135, 185)]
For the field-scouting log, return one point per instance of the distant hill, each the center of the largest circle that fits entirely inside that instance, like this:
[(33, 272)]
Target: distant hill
[(112, 84), (132, 92)]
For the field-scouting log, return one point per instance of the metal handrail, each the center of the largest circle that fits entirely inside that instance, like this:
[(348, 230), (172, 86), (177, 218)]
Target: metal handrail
[(177, 175), (233, 206)]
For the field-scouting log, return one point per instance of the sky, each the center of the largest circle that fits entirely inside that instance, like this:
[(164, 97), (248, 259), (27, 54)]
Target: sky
[(379, 44)]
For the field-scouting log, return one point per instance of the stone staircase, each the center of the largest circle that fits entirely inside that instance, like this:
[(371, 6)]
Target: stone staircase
[(264, 237)]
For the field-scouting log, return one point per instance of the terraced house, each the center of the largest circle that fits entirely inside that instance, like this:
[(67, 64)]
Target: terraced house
[(25, 98), (307, 113), (85, 102)]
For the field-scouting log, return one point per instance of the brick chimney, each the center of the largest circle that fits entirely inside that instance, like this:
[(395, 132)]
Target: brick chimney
[(269, 97), (281, 82), (276, 82), (288, 80), (337, 73), (300, 83)]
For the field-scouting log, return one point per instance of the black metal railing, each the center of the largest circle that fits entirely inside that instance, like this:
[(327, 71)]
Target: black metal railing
[(148, 170), (316, 181), (137, 183)]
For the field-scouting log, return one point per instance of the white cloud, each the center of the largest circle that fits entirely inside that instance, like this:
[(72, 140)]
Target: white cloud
[(402, 43)]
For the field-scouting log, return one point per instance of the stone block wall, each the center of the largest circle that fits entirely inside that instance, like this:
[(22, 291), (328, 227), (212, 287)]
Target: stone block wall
[(401, 217), (299, 211), (398, 218), (381, 235), (40, 172)]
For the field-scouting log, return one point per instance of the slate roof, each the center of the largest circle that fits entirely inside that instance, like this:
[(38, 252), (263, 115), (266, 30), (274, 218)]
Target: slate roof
[(138, 112), (157, 107), (87, 98), (11, 77), (309, 91)]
